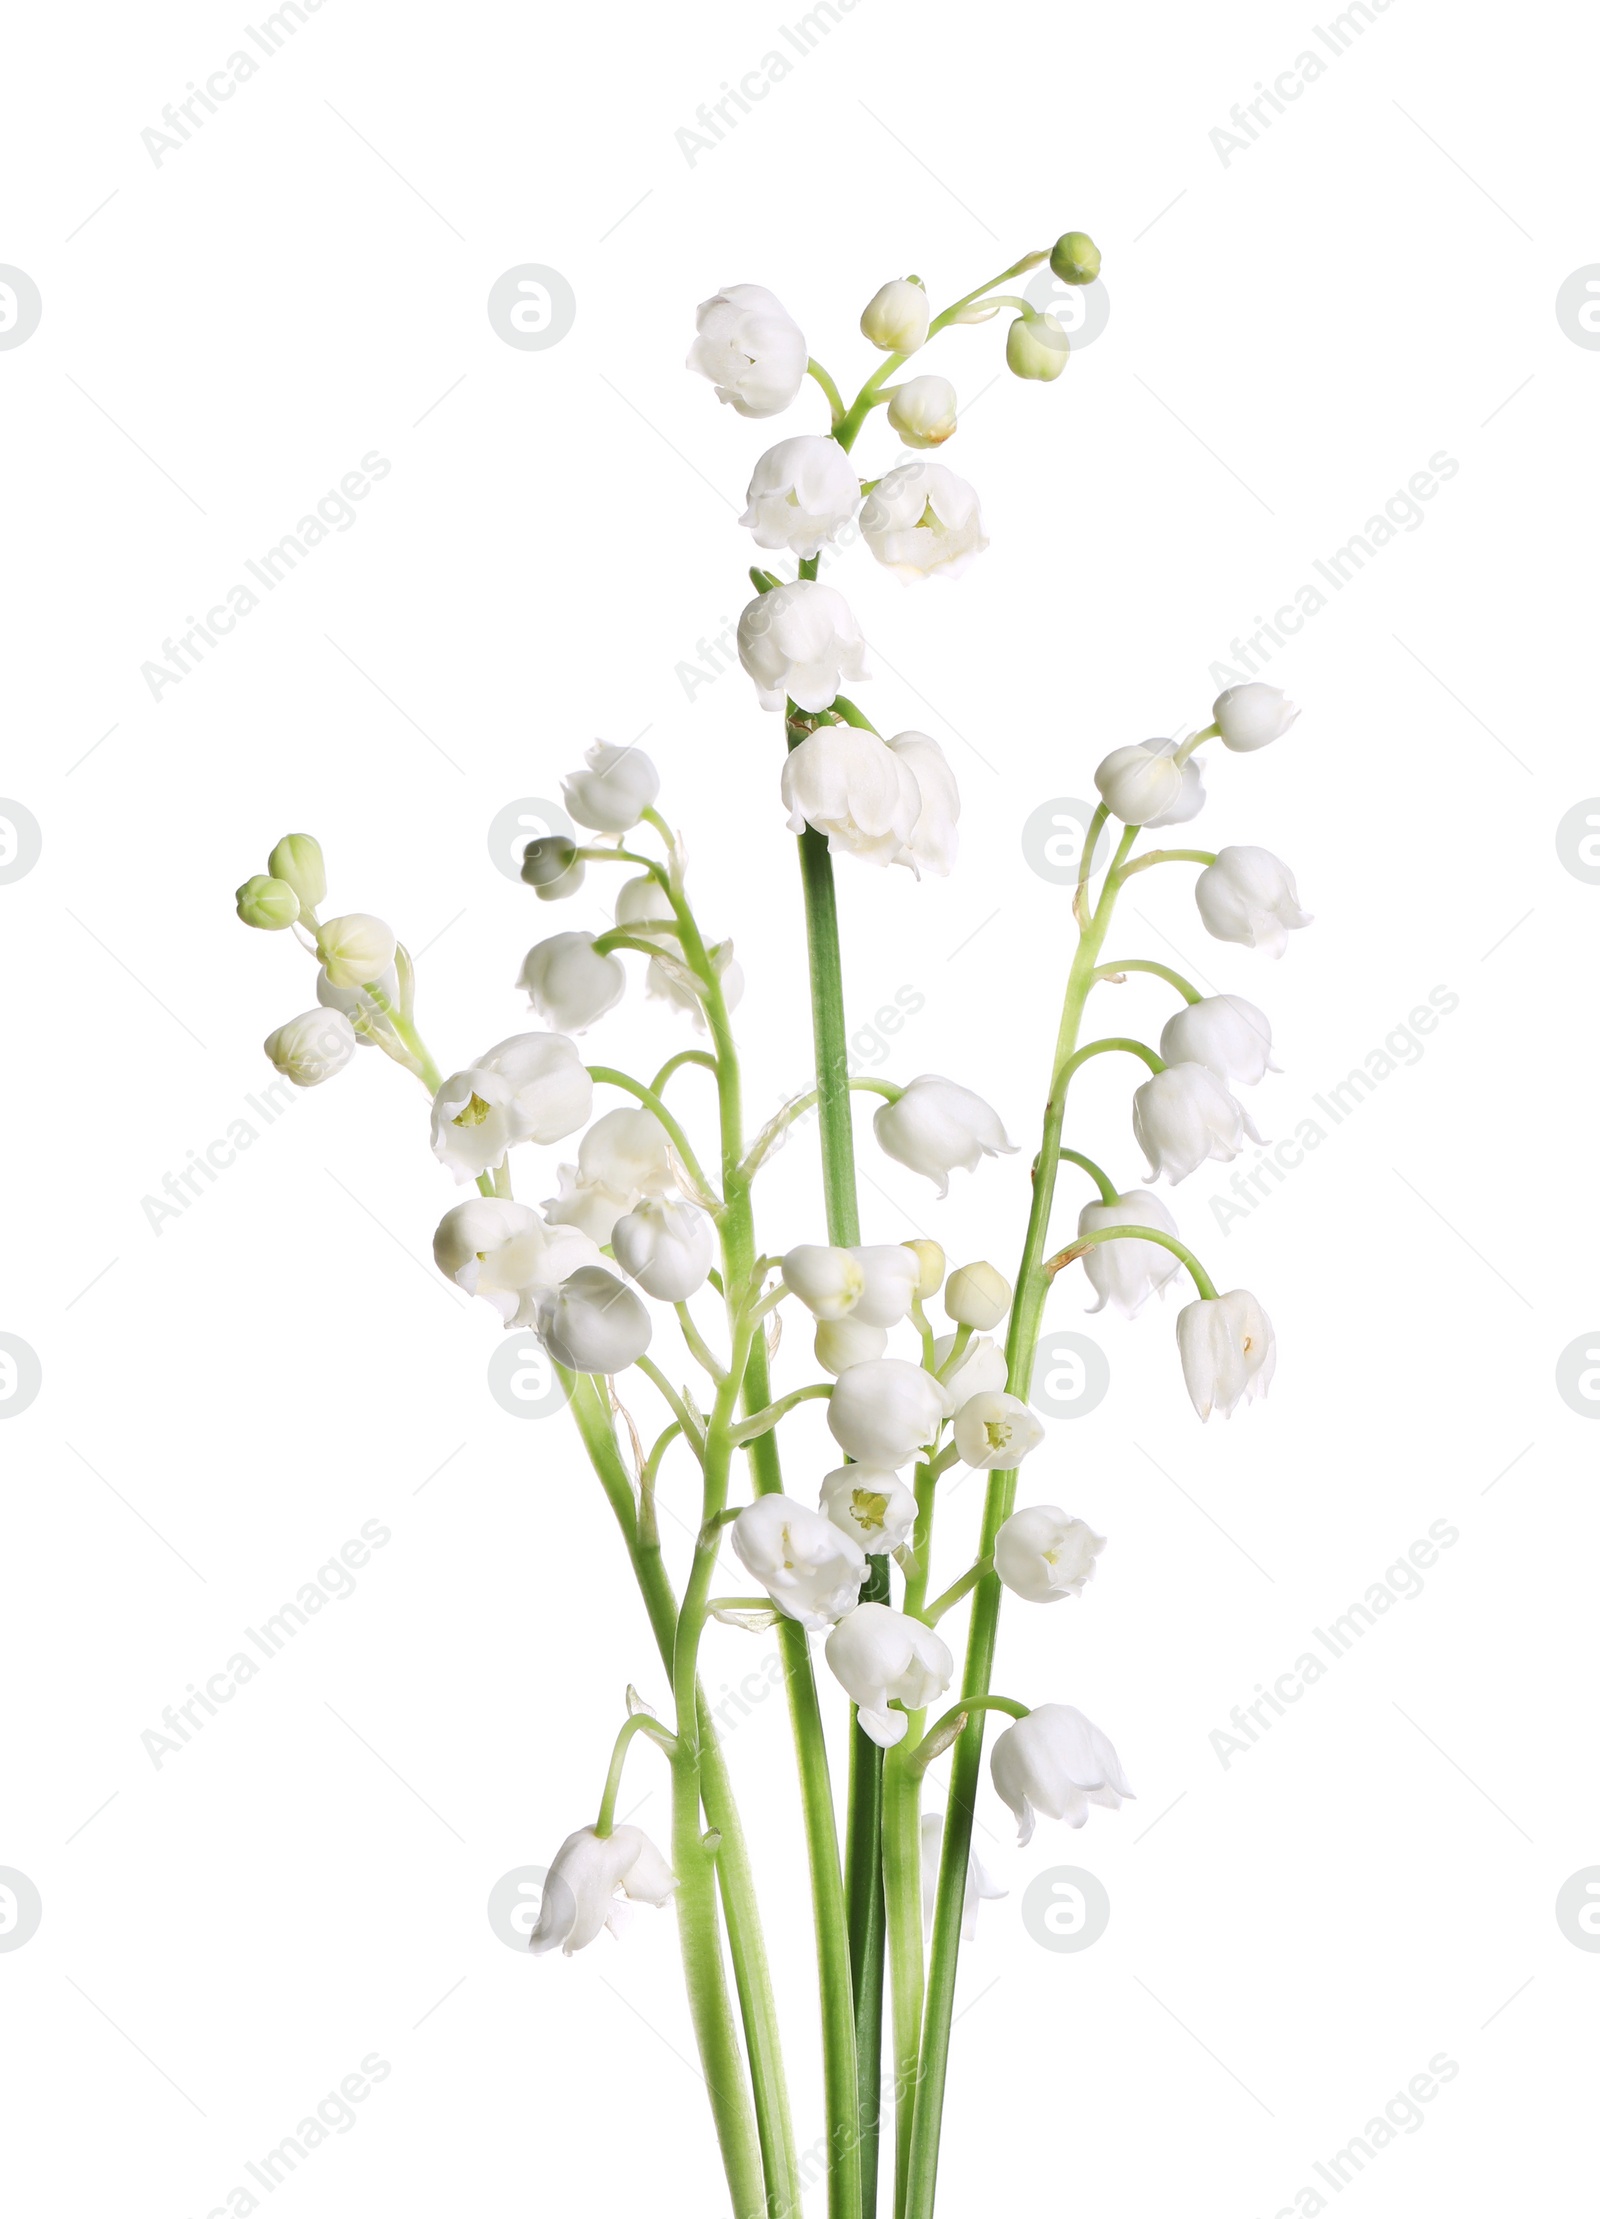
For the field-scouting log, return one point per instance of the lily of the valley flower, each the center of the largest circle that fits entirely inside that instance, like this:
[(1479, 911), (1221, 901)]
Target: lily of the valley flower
[(872, 1285), (931, 843), (882, 1413), (356, 949), (808, 1565), (297, 861), (841, 1342), (896, 317), (371, 1026), (1183, 1117), (1229, 1035), (311, 1048), (937, 1127), (581, 1890), (977, 1295), (1055, 1763), (1252, 716), (568, 984), (981, 1883), (876, 1509), (614, 791), (592, 1322), (751, 349), (921, 519), (533, 1087), (1043, 1555), (1147, 785), (623, 1157), (506, 1252), (994, 1432), (267, 904), (879, 1656), (855, 790), (1249, 896), (922, 412), (666, 1245), (1037, 347), (800, 642), (1125, 1273), (803, 493), (981, 1371), (1228, 1350)]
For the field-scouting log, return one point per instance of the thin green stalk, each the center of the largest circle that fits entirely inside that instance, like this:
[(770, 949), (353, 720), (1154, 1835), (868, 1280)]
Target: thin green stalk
[(1157, 970), (1021, 1345), (640, 1723), (1085, 1241), (1108, 1192)]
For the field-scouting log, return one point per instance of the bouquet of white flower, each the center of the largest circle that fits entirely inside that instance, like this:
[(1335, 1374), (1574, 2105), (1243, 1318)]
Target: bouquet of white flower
[(653, 1229)]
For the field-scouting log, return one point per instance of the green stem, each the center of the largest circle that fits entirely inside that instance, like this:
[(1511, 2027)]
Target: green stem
[(669, 1394), (1000, 1499), (1108, 1192), (603, 1075), (763, 1421), (1163, 855), (835, 401), (1116, 1043), (902, 1889), (1156, 970), (640, 1723), (932, 1612), (1071, 1253), (677, 1063)]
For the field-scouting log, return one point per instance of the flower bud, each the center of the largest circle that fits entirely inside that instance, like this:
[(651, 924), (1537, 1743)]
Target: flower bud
[(922, 412), (311, 1048), (1036, 347), (1252, 716), (896, 317), (977, 1295), (1075, 258), (568, 984), (1140, 784), (930, 1267), (884, 1412), (592, 1322), (614, 791), (827, 1280), (355, 950), (877, 1509), (841, 1342), (666, 1245), (1249, 896), (888, 1284), (267, 904), (551, 866), (297, 860)]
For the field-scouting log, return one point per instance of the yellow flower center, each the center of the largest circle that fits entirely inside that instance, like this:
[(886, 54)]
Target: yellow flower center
[(475, 1113)]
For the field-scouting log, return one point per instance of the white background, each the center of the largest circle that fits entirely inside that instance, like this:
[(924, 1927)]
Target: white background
[(1295, 332)]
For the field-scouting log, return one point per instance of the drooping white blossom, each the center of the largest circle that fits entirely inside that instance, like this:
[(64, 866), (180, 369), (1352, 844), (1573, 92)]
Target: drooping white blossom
[(1044, 1556), (937, 1127), (1139, 784), (981, 1371), (841, 1342), (827, 1280), (506, 1253), (879, 1656), (921, 519), (856, 790), (877, 1509), (1054, 1764), (614, 790), (568, 984), (931, 844), (1037, 347), (590, 1884), (623, 1157), (533, 1087), (922, 412), (800, 642), (882, 1413), (1252, 716), (666, 1245), (1183, 1117), (802, 494), (751, 349), (1228, 1350), (994, 1432), (810, 1567), (311, 1048), (1229, 1035), (1125, 1273), (592, 1322), (1247, 895)]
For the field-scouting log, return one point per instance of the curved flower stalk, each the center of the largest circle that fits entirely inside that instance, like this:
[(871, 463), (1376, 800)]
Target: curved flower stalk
[(642, 1275)]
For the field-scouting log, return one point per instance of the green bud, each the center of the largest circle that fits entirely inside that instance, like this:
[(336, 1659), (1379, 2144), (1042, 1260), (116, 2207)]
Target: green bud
[(551, 867), (1075, 258), (297, 860), (268, 904), (1036, 347)]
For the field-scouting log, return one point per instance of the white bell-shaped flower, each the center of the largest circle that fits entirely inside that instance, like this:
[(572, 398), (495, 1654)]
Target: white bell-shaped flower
[(981, 1371), (896, 318), (1228, 1350), (506, 1253), (1183, 1117), (802, 494), (808, 1565), (922, 412), (856, 790), (977, 1295), (568, 984), (1229, 1035), (311, 1048), (800, 642), (1054, 1764), (877, 1509), (882, 1413), (590, 1884), (355, 950), (827, 1280), (751, 349), (1125, 1273), (1247, 895), (921, 519), (532, 1087), (623, 1157), (994, 1432), (614, 791), (936, 1127), (1139, 784), (592, 1322), (841, 1342), (1252, 716), (879, 1657), (666, 1245), (1043, 1555), (933, 839)]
